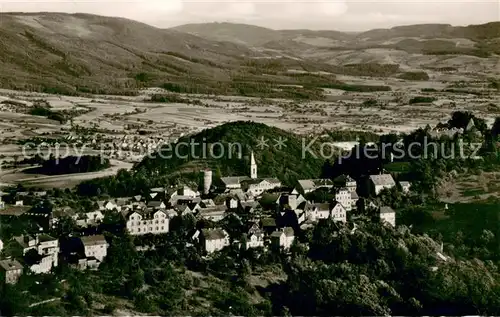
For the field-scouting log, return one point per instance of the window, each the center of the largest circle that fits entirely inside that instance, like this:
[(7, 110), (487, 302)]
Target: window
[(156, 228), (161, 228), (139, 230), (156, 222), (163, 221), (132, 218)]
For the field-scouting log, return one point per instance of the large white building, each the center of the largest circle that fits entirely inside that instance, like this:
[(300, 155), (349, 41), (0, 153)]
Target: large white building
[(347, 198), (380, 182), (141, 222)]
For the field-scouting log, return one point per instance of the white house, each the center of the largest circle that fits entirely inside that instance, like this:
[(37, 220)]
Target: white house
[(309, 185), (214, 239), (344, 197), (380, 182), (95, 246), (283, 238), (388, 215), (350, 184), (338, 212), (90, 218), (141, 222), (258, 186), (1, 245), (10, 271), (405, 186), (47, 248), (255, 237), (317, 211)]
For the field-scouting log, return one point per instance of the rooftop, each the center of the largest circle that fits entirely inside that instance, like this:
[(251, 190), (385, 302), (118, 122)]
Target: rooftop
[(214, 234), (93, 240), (383, 180), (386, 210), (10, 265)]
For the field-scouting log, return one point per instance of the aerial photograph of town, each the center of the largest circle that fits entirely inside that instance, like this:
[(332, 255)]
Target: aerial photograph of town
[(249, 158)]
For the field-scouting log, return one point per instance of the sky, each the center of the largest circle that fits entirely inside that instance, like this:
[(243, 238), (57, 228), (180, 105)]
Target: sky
[(342, 15)]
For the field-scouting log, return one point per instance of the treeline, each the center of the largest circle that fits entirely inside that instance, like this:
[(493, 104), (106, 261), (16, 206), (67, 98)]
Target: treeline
[(43, 109), (67, 165), (414, 76)]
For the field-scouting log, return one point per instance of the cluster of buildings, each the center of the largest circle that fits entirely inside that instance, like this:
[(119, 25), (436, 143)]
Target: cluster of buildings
[(273, 225), (40, 254)]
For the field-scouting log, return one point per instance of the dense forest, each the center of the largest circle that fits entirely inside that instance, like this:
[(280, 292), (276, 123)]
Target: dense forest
[(67, 165)]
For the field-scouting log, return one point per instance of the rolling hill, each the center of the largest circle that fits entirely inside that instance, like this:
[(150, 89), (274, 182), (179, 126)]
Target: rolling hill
[(58, 52), (424, 38), (83, 53)]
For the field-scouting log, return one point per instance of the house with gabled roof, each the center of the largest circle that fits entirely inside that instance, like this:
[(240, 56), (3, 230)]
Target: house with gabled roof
[(258, 186), (291, 201), (387, 215), (156, 204), (305, 186), (213, 240), (380, 182), (283, 238), (216, 213), (95, 246), (10, 271)]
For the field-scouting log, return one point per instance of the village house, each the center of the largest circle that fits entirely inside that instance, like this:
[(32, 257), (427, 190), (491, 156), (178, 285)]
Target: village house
[(350, 184), (258, 186), (405, 186), (249, 207), (388, 215), (291, 200), (343, 196), (232, 203), (317, 211), (305, 186), (268, 224), (107, 205), (213, 239), (95, 246), (156, 204), (185, 191), (254, 237), (283, 238), (216, 213), (233, 182), (380, 182), (45, 246), (10, 271), (338, 212), (92, 218), (145, 221)]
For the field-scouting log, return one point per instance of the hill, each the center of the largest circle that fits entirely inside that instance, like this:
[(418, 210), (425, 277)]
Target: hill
[(443, 38), (67, 53), (232, 32), (232, 144)]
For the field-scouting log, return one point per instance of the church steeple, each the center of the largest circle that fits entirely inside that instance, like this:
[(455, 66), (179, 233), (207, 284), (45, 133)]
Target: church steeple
[(253, 167)]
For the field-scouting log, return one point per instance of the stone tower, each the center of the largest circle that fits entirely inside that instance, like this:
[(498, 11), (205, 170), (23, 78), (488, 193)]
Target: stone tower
[(253, 167)]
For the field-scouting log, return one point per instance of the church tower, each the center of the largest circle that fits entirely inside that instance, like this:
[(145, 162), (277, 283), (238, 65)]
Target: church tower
[(253, 167)]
